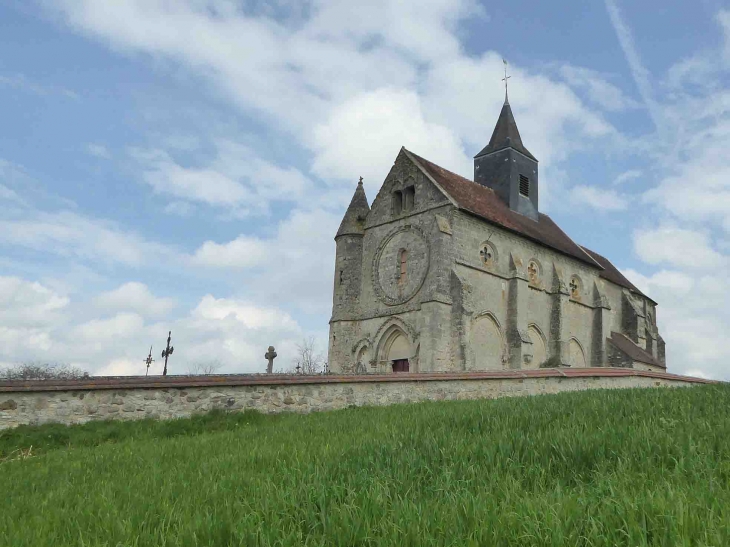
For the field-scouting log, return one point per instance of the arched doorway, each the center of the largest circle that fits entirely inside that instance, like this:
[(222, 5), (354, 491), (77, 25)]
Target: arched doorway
[(487, 344), (398, 351), (576, 355), (539, 349)]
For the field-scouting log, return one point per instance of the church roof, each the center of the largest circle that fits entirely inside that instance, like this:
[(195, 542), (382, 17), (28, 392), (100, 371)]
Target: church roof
[(484, 203), (636, 353), (611, 273), (354, 219), (505, 135)]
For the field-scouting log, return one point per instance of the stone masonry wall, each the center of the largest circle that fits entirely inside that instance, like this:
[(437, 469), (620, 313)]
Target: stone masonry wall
[(171, 397)]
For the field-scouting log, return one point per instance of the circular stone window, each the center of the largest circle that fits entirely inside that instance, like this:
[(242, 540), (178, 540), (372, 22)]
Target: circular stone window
[(400, 265), (488, 254)]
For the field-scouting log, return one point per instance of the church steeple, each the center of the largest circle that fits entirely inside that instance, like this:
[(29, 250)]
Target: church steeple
[(354, 220), (506, 166), (506, 134)]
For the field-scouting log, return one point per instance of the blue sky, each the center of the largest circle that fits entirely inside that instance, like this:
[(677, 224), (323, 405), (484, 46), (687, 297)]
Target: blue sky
[(184, 165)]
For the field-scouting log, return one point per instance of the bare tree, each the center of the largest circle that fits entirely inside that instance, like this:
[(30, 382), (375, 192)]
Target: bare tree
[(42, 371), (204, 368), (308, 359)]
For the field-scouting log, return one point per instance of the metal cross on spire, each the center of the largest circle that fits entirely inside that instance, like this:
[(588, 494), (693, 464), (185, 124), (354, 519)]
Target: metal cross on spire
[(506, 100)]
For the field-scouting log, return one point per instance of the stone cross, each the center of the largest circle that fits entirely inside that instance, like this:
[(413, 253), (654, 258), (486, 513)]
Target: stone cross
[(486, 254), (573, 287), (270, 355)]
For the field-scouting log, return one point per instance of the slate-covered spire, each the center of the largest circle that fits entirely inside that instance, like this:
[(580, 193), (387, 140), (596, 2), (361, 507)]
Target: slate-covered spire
[(353, 223), (508, 168), (505, 134)]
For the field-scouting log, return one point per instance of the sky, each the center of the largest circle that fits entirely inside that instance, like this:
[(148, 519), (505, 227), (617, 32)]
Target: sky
[(184, 165)]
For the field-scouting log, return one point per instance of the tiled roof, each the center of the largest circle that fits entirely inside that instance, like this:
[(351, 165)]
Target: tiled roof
[(506, 135), (484, 203), (636, 353), (611, 273)]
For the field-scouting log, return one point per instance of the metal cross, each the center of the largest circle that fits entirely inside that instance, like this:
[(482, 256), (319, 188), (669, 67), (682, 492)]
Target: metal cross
[(167, 352), (149, 361), (506, 101), (360, 181)]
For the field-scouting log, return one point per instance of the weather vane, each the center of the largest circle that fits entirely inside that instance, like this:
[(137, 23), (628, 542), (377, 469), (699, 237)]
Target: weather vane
[(149, 361), (506, 100), (167, 352)]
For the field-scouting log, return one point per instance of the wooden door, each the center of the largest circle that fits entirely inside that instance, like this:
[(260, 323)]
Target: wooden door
[(400, 365)]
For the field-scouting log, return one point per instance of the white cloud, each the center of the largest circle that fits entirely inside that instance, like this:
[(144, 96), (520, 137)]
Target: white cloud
[(376, 125), (75, 236), (599, 89), (12, 175), (25, 303), (339, 66), (295, 266), (97, 332), (180, 208), (20, 81), (698, 189), (243, 252), (676, 246), (598, 198), (638, 70), (723, 18), (98, 151), (134, 296), (627, 176), (236, 179), (252, 317)]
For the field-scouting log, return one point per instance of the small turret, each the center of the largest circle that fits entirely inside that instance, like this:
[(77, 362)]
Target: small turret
[(348, 258), (354, 220)]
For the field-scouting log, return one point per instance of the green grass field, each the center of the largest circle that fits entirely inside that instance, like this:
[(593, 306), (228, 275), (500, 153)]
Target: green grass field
[(601, 468)]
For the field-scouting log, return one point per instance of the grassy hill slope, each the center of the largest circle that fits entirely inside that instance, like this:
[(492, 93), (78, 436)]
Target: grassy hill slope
[(599, 468)]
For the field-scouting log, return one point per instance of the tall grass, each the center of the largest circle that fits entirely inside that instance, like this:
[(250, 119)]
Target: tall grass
[(600, 468)]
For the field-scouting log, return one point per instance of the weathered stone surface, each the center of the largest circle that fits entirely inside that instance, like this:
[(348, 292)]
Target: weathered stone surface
[(10, 404), (18, 408)]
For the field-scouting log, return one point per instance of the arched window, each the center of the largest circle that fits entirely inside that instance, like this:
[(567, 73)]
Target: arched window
[(403, 262)]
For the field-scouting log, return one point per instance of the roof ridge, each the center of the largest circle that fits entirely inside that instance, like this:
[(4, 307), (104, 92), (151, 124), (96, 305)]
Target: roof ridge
[(483, 202)]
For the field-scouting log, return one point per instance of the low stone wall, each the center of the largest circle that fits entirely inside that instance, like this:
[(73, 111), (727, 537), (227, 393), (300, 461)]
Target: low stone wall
[(130, 398)]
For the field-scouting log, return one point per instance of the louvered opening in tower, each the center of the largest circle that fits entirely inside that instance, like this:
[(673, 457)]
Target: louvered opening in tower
[(524, 186)]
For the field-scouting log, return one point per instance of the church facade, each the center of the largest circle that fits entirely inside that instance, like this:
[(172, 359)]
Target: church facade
[(443, 273)]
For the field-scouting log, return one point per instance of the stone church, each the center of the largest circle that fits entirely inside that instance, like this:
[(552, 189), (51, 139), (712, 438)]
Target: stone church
[(443, 273)]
